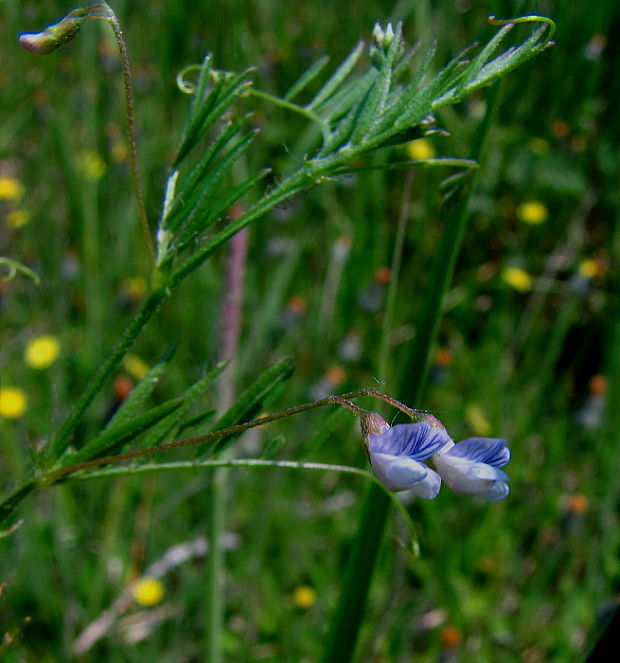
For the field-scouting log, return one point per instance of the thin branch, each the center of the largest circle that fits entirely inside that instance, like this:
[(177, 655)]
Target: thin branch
[(131, 129)]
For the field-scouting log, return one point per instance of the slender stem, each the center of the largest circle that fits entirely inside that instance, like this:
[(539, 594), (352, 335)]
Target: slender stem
[(110, 472), (390, 306), (283, 103), (9, 504), (417, 415), (350, 406), (131, 129)]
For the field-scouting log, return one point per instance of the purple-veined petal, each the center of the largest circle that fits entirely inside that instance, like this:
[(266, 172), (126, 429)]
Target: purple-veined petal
[(492, 451), (418, 441), (466, 476), (397, 473), (485, 472)]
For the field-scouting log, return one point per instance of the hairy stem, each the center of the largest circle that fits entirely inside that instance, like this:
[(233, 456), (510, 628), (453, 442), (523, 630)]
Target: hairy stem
[(131, 129)]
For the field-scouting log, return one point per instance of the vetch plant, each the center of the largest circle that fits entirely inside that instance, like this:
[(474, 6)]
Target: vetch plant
[(386, 98), (356, 111)]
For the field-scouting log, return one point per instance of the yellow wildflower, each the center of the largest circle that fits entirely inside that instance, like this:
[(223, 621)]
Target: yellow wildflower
[(92, 165), (148, 591), (42, 351), (13, 402), (422, 148), (539, 145), (532, 212), (135, 366), (10, 189), (17, 218), (517, 278), (477, 420), (304, 596), (589, 268)]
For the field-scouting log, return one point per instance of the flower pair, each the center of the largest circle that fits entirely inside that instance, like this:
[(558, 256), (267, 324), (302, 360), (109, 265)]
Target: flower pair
[(470, 467)]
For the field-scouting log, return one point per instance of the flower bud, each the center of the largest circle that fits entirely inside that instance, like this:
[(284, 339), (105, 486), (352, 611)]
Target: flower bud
[(380, 43), (62, 32), (372, 423), (53, 37)]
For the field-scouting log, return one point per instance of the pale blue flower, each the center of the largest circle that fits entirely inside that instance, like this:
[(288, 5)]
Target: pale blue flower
[(397, 455), (471, 467)]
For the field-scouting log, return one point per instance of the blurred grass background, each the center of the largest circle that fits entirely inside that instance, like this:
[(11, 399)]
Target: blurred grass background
[(528, 345)]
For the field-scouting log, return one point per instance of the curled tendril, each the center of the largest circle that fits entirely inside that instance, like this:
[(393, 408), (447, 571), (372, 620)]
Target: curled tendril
[(184, 85), (13, 267), (527, 19), (188, 87)]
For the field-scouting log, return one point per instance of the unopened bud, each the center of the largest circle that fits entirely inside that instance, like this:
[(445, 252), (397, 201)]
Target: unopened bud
[(62, 32), (50, 39), (382, 38), (373, 424)]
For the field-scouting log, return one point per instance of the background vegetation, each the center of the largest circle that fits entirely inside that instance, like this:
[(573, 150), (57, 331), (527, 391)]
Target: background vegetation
[(528, 345)]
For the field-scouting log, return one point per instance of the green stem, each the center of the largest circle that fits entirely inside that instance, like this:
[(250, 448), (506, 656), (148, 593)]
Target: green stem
[(131, 128), (391, 299), (287, 105), (62, 438), (111, 472), (348, 618), (8, 505)]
